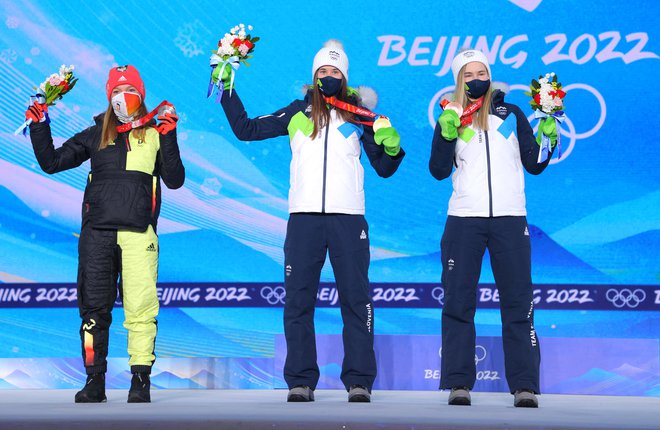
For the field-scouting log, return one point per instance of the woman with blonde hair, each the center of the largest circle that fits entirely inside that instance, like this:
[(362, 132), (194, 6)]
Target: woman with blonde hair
[(129, 154), (489, 142)]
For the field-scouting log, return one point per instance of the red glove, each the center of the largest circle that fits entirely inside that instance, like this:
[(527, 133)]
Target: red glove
[(167, 123), (36, 112)]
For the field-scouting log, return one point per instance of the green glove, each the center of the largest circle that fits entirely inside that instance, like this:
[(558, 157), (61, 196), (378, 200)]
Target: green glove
[(226, 75), (449, 123), (548, 126), (390, 139)]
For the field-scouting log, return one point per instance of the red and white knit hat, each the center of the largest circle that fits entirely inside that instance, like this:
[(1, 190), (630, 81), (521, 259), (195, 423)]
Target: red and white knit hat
[(332, 54), (124, 75)]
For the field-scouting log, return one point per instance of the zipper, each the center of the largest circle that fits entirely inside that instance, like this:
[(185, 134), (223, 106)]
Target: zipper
[(325, 165), (490, 185)]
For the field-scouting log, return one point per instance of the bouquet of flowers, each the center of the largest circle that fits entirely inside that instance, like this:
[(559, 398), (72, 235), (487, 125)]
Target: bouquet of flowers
[(547, 102), (52, 89), (233, 49)]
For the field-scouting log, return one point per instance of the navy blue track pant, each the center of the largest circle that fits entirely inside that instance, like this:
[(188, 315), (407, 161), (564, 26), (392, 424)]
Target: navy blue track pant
[(463, 245), (308, 238)]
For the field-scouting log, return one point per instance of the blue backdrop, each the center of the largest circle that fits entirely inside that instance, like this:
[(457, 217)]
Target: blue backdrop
[(594, 217)]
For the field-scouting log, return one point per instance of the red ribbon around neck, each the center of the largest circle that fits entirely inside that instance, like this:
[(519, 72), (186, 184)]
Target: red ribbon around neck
[(142, 121), (354, 109)]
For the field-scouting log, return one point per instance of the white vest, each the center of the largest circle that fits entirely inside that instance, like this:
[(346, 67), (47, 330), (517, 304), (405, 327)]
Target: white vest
[(489, 183), (326, 176)]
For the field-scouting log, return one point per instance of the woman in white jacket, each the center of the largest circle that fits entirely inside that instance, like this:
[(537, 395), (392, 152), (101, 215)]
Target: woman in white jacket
[(489, 142), (326, 206)]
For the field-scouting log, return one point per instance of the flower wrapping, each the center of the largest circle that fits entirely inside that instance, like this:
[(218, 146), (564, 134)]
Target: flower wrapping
[(233, 49), (548, 102)]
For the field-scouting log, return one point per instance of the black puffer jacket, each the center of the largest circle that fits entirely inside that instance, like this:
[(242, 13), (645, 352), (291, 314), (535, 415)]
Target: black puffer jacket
[(118, 195)]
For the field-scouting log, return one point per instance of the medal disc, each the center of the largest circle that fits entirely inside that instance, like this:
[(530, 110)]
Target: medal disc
[(166, 109), (381, 122), (455, 107)]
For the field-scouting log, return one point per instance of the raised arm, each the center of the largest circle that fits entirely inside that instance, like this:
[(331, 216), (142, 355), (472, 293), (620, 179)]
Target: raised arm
[(260, 128), (72, 153)]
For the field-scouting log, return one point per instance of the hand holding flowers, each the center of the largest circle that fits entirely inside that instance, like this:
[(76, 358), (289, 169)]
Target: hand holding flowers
[(548, 103), (51, 90), (234, 48)]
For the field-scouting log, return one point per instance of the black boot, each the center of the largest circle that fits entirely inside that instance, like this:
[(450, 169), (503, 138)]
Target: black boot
[(94, 389), (139, 392)]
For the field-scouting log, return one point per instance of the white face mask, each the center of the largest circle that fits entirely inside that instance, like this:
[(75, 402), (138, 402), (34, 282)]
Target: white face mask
[(125, 104)]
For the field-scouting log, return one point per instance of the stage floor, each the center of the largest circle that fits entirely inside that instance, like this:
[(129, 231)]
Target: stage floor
[(267, 409)]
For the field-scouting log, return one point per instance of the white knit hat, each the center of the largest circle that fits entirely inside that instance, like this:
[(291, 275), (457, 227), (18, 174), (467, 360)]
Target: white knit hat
[(468, 56), (332, 54)]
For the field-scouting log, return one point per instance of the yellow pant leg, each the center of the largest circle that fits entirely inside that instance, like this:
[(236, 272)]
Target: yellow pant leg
[(139, 272)]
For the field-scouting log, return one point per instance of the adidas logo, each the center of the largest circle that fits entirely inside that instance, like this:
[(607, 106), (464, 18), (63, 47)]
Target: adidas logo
[(526, 231), (363, 235), (450, 264), (151, 248), (121, 78)]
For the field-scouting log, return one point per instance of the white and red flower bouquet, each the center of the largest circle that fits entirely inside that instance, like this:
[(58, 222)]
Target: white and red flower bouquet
[(548, 102), (234, 48)]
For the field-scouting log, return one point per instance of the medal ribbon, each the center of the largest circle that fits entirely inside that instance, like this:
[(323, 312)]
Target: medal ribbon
[(354, 109), (466, 118), (142, 121)]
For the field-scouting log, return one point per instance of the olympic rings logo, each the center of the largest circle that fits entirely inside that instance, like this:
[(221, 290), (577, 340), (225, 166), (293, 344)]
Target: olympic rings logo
[(625, 297), (273, 295), (566, 129), (480, 354), (438, 293)]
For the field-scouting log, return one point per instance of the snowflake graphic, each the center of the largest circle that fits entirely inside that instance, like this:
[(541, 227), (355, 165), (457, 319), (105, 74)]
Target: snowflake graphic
[(8, 56), (12, 22), (211, 186), (189, 38)]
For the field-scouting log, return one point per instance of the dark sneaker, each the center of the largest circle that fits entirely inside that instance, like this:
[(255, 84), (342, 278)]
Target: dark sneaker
[(300, 393), (460, 396), (525, 399), (359, 394), (93, 391), (139, 392)]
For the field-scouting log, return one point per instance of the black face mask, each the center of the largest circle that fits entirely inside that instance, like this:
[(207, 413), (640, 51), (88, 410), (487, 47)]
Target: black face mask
[(476, 88), (329, 86)]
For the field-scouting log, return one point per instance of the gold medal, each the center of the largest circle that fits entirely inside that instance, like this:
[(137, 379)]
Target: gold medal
[(381, 122)]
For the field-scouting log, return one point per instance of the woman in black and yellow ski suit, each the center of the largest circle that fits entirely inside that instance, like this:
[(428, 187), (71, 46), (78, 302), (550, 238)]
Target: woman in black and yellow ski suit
[(119, 215)]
